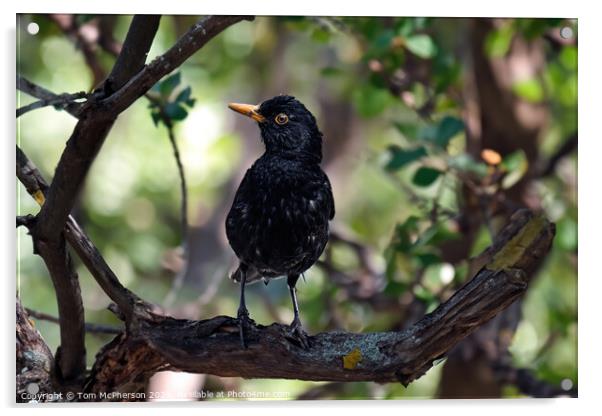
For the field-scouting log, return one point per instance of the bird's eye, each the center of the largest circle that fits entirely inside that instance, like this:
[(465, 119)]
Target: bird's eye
[(281, 119)]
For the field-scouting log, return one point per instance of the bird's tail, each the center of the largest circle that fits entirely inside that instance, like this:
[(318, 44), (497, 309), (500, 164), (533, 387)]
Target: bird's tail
[(252, 275)]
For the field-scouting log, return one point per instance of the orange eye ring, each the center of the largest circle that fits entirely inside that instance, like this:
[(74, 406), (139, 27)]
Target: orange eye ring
[(281, 119)]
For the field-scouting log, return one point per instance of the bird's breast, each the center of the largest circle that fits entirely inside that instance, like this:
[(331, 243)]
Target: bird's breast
[(279, 218)]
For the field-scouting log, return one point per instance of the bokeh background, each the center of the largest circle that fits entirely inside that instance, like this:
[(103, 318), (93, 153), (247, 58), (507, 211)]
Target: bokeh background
[(407, 106)]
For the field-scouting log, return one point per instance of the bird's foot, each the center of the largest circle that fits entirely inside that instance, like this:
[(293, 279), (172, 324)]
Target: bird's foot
[(244, 322), (296, 333)]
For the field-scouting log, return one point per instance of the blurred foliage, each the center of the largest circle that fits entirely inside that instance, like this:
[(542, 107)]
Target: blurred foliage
[(399, 199)]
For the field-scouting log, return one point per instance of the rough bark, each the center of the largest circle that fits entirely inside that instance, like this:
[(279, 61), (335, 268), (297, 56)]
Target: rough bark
[(213, 346), (34, 359)]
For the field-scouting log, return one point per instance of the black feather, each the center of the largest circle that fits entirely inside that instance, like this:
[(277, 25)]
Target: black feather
[(278, 223)]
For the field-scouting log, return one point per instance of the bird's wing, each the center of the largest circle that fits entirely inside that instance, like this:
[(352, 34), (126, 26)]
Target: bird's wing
[(236, 212), (330, 198)]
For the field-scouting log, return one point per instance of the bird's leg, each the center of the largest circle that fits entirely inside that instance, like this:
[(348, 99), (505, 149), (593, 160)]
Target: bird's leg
[(243, 312), (296, 329)]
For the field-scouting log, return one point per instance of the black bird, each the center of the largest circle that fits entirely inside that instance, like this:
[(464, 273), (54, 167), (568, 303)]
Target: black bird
[(278, 223)]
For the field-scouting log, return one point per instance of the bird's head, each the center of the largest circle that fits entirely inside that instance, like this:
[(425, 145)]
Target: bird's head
[(286, 126)]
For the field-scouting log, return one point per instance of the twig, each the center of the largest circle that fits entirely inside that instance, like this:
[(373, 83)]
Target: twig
[(60, 102), (196, 37), (568, 147), (86, 43), (92, 328), (434, 213), (183, 188), (43, 94), (174, 146), (179, 279), (106, 40), (527, 382)]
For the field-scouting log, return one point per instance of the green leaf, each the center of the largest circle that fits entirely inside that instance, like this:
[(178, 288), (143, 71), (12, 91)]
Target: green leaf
[(530, 90), (566, 234), (156, 118), (425, 176), (428, 133), (446, 72), (568, 57), (321, 35), (517, 165), (155, 91), (436, 234), (169, 84), (382, 42), (403, 239), (395, 288), (370, 101), (443, 132), (401, 157), (448, 128), (427, 259), (534, 28), (82, 19), (407, 130), (421, 45), (405, 26), (184, 95), (464, 162), (175, 112), (497, 42), (424, 295)]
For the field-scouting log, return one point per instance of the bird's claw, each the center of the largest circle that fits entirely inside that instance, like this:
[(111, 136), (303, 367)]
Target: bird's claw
[(244, 322), (296, 333)]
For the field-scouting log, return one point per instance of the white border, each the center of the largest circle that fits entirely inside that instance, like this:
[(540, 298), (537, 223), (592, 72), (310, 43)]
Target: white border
[(590, 155)]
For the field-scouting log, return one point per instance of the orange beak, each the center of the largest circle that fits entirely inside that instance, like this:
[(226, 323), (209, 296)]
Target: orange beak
[(248, 110)]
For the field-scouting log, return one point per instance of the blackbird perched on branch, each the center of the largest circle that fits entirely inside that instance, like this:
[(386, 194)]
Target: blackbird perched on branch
[(278, 223)]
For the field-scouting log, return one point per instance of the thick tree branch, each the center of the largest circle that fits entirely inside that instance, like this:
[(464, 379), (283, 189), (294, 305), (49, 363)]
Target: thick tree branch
[(36, 186), (133, 54), (196, 37), (71, 355), (34, 359), (212, 346)]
